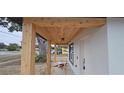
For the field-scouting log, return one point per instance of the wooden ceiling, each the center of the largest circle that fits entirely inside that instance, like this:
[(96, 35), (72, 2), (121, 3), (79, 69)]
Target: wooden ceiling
[(61, 30)]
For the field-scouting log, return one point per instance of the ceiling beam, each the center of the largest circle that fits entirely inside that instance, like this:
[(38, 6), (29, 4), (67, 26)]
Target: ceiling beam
[(62, 19), (43, 32), (66, 22)]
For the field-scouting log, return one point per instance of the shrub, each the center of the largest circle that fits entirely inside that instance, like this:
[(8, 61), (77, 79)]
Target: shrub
[(40, 58), (12, 47)]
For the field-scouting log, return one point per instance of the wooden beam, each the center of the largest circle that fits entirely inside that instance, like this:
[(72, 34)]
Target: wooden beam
[(62, 19), (43, 32), (55, 53), (49, 58), (79, 25), (28, 50), (66, 21), (61, 43)]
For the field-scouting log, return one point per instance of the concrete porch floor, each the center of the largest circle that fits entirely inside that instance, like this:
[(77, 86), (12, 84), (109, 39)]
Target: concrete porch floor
[(40, 70), (62, 71)]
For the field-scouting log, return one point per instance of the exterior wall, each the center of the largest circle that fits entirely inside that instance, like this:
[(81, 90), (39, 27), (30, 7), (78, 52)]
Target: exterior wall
[(115, 27), (103, 49), (95, 51)]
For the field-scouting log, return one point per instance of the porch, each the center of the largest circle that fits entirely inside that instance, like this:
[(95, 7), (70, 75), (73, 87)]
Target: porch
[(57, 31)]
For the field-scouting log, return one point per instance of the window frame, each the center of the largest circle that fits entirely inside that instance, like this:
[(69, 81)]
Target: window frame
[(71, 53)]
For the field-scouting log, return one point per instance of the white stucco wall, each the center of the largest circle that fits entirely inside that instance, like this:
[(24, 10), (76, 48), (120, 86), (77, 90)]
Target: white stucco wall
[(103, 49), (95, 51), (115, 28)]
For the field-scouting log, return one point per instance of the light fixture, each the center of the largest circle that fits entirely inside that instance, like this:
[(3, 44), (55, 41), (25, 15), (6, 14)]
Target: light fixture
[(62, 39)]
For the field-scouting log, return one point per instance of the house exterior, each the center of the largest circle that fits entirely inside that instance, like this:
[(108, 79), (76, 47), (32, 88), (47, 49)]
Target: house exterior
[(96, 45), (98, 51)]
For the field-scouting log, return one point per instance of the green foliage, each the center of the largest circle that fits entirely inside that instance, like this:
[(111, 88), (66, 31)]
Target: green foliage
[(41, 58), (12, 23), (59, 50), (12, 47)]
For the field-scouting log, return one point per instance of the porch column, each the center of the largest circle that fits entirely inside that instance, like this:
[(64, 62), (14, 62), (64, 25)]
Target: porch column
[(55, 54), (28, 49), (49, 58)]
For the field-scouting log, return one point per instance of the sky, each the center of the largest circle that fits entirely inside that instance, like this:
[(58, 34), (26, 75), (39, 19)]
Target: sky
[(7, 37)]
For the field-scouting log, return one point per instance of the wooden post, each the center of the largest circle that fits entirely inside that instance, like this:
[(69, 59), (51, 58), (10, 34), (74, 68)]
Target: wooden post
[(49, 58), (55, 54), (28, 50)]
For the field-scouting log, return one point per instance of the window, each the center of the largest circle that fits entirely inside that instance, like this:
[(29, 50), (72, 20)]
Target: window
[(71, 53)]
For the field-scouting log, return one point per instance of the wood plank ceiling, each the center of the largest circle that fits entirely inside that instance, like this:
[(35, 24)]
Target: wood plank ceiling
[(61, 30)]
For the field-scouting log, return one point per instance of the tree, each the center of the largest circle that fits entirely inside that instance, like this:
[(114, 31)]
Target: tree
[(15, 24), (12, 47), (12, 23), (59, 50)]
